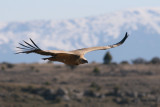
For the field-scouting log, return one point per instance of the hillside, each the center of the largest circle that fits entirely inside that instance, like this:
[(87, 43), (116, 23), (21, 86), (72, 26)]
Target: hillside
[(90, 85)]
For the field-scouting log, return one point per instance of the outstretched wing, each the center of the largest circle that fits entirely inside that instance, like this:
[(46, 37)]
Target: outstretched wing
[(28, 48), (85, 50)]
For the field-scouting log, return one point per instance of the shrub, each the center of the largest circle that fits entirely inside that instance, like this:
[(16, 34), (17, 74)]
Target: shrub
[(107, 58), (96, 71), (139, 61), (3, 68), (95, 86), (8, 65), (89, 93), (155, 60), (36, 70), (116, 90), (32, 68), (124, 62), (72, 67), (47, 83)]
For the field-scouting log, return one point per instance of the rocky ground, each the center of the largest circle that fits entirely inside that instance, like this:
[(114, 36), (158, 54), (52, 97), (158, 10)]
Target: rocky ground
[(90, 85)]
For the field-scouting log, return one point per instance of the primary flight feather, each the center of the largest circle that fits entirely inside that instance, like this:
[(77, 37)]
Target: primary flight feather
[(75, 57)]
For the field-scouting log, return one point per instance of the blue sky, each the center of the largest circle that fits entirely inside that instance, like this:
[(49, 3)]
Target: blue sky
[(28, 10), (25, 10)]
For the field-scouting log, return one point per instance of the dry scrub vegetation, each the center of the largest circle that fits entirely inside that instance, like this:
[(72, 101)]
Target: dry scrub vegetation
[(90, 85)]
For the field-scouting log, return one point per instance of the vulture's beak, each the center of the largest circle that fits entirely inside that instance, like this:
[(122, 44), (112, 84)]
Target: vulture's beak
[(85, 61)]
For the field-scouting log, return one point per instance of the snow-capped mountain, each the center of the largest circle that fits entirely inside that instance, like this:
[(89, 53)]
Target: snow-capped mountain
[(83, 32)]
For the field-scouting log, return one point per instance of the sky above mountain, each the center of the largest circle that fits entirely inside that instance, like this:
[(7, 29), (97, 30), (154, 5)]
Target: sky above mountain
[(25, 10), (142, 24), (67, 25)]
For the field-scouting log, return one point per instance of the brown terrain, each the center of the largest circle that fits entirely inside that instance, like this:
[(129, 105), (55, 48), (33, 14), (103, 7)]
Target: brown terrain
[(90, 85)]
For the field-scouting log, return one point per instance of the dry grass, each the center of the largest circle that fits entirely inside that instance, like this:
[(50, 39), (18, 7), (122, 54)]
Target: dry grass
[(39, 85)]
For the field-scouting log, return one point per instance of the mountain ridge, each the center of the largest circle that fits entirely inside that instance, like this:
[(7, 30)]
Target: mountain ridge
[(83, 32)]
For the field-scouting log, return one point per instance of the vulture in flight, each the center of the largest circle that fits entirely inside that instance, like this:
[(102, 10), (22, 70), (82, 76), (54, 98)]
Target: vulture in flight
[(74, 57)]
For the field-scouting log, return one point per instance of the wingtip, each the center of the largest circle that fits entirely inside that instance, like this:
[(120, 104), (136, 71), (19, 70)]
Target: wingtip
[(30, 39), (126, 35)]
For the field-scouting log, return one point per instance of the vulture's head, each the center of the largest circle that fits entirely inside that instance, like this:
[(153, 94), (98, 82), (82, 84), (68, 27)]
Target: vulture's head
[(83, 61)]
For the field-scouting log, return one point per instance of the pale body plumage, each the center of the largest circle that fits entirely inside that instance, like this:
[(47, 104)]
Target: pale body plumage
[(74, 57)]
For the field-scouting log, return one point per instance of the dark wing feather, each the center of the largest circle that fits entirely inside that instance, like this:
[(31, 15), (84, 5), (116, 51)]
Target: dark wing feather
[(28, 48), (24, 45), (34, 44)]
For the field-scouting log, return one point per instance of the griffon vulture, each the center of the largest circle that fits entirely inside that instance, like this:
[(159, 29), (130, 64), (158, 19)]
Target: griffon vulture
[(75, 57)]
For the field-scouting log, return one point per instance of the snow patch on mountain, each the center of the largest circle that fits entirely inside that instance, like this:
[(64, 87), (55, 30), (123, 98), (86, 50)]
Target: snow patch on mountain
[(83, 32)]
